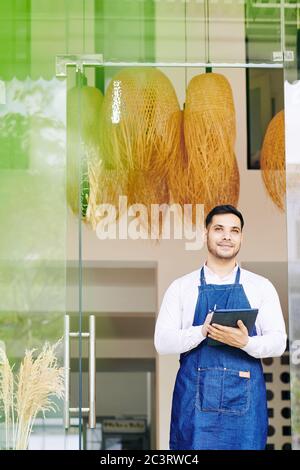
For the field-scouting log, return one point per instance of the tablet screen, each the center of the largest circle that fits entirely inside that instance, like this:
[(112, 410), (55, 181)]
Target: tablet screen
[(230, 317)]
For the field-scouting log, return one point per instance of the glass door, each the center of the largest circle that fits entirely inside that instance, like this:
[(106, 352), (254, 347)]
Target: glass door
[(33, 263), (79, 338), (292, 168), (113, 322)]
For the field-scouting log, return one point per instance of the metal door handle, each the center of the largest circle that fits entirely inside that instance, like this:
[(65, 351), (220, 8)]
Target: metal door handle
[(92, 372), (67, 372)]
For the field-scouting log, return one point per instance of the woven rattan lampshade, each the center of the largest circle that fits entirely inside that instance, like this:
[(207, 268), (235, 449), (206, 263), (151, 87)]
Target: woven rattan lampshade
[(83, 116), (272, 160), (140, 134), (212, 175)]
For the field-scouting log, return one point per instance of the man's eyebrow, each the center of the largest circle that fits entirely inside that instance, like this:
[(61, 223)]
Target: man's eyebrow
[(220, 225)]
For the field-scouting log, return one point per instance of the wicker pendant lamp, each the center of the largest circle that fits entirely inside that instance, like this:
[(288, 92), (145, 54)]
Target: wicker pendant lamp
[(212, 175), (139, 135), (273, 160), (83, 115)]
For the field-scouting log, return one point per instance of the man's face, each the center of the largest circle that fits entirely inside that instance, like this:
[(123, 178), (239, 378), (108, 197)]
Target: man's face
[(224, 236)]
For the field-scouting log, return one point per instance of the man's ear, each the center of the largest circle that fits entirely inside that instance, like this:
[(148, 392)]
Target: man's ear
[(205, 235)]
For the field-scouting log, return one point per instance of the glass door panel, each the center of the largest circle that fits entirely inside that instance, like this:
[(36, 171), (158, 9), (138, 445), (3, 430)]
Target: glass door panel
[(117, 307), (33, 260), (292, 166)]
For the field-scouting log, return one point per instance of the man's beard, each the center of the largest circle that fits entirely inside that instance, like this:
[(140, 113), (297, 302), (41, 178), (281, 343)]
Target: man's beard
[(214, 252)]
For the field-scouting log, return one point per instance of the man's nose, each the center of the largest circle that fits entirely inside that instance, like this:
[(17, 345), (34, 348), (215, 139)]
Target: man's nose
[(227, 235)]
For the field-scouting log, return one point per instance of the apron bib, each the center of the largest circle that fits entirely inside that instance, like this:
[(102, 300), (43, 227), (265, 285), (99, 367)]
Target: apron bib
[(219, 399)]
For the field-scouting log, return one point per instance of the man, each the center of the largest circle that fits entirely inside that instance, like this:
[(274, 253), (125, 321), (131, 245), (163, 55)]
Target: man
[(219, 399)]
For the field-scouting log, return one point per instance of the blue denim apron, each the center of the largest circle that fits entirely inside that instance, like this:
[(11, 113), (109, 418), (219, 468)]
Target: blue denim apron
[(219, 399)]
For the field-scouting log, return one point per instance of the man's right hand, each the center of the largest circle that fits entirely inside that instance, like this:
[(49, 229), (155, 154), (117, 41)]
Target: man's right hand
[(206, 323)]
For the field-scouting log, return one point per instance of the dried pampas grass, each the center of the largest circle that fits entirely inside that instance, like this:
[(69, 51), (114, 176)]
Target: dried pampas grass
[(140, 134), (211, 171), (38, 382), (272, 160), (7, 397), (83, 115)]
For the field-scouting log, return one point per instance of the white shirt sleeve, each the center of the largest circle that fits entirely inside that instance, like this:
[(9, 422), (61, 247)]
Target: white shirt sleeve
[(271, 338), (169, 337)]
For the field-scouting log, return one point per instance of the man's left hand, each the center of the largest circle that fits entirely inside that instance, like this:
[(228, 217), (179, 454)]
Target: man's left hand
[(236, 337)]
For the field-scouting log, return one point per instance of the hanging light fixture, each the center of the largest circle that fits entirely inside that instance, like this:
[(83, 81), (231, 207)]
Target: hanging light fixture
[(140, 134), (212, 175), (207, 172), (272, 160)]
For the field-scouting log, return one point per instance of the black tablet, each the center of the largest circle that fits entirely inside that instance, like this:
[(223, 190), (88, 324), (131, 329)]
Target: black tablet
[(230, 317)]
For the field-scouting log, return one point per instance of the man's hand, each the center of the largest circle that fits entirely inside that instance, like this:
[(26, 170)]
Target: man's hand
[(206, 324), (236, 337)]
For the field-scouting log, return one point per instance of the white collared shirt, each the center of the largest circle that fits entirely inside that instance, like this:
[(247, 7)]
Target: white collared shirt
[(174, 333)]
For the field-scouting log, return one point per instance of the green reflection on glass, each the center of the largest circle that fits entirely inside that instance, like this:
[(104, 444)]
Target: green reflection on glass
[(32, 213), (15, 35)]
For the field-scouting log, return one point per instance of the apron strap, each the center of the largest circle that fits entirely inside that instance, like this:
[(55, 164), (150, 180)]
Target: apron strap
[(237, 277), (202, 277), (203, 281)]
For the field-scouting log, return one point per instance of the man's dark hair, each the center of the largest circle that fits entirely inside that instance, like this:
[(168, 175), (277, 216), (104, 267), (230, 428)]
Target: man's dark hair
[(223, 209)]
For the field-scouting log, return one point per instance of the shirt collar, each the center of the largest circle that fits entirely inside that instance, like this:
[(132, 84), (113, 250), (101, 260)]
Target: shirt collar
[(210, 273)]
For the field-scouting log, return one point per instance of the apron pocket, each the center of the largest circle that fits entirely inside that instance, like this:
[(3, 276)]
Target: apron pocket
[(223, 390)]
